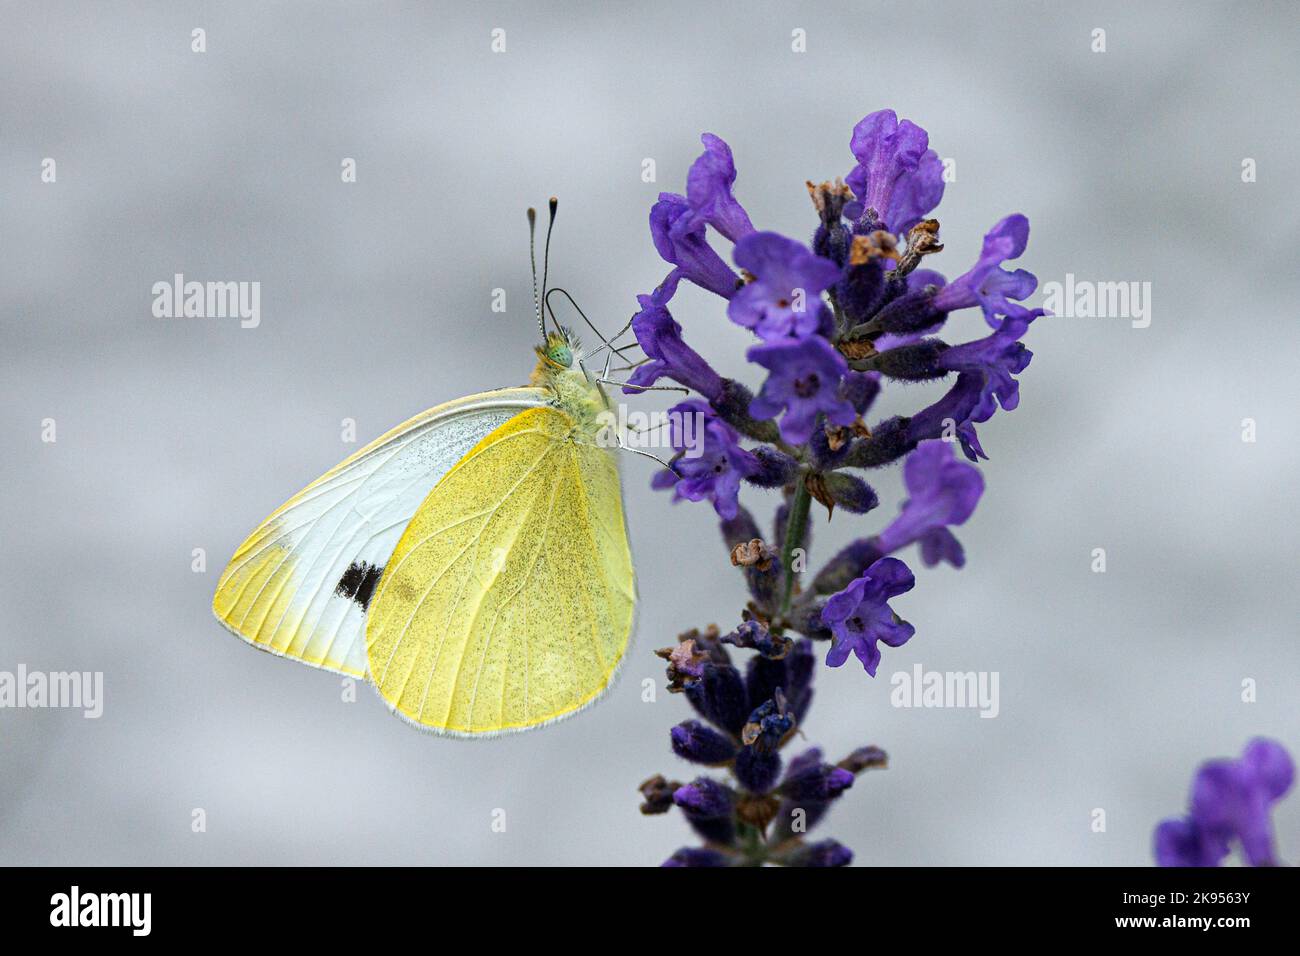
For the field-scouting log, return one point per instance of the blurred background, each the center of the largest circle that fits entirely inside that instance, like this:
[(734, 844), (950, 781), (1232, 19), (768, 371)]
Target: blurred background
[(177, 434)]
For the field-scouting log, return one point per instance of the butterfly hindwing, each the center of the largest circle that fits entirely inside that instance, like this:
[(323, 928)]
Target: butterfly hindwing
[(508, 601), (301, 584)]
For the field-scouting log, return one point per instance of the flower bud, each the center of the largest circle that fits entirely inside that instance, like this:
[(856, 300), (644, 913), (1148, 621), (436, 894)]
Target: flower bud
[(776, 468), (757, 771), (889, 441), (719, 697), (918, 362), (910, 313), (692, 740), (850, 493), (823, 853), (694, 856), (707, 805)]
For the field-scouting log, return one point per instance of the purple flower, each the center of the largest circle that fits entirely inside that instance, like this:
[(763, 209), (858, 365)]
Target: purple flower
[(708, 190), (997, 357), (985, 368), (951, 415), (897, 175), (660, 337), (1231, 800), (1185, 843), (804, 379), (987, 284), (918, 280), (861, 389), (678, 235), (710, 462), (943, 492), (784, 301), (940, 544), (859, 616)]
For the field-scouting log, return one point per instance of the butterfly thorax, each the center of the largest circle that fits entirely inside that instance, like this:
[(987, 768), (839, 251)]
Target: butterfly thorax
[(575, 394)]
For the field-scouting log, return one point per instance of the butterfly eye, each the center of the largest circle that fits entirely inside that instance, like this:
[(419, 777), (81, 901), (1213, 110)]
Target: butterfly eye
[(560, 355)]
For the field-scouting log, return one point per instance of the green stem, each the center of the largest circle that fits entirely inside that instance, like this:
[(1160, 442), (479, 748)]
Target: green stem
[(795, 525), (751, 843), (863, 330)]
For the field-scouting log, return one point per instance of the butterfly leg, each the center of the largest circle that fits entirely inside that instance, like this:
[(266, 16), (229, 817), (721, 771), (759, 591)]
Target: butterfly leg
[(645, 454), (645, 388)]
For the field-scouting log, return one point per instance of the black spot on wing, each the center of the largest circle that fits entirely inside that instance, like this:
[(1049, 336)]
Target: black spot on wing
[(358, 583)]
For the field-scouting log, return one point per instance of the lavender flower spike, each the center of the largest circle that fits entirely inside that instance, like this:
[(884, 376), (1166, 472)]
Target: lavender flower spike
[(855, 297)]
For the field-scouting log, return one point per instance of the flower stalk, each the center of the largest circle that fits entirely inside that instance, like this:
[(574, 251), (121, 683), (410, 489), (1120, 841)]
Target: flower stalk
[(793, 543), (835, 321)]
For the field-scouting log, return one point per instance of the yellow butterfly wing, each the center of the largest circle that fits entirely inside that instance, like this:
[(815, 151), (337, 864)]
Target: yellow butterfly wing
[(299, 585), (508, 600)]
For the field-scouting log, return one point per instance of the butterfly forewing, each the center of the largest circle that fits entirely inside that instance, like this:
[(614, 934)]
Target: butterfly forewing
[(301, 584)]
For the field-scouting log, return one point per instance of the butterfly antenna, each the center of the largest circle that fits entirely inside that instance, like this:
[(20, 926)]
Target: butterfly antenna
[(532, 260), (578, 309), (546, 253)]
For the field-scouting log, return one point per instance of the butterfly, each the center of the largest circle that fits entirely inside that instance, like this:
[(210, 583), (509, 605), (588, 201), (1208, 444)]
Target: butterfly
[(472, 563)]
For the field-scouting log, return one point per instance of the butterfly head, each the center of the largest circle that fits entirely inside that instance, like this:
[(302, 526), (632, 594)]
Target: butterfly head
[(558, 351)]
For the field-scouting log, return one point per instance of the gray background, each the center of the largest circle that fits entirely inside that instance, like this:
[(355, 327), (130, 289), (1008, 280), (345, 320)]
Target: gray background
[(176, 434)]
